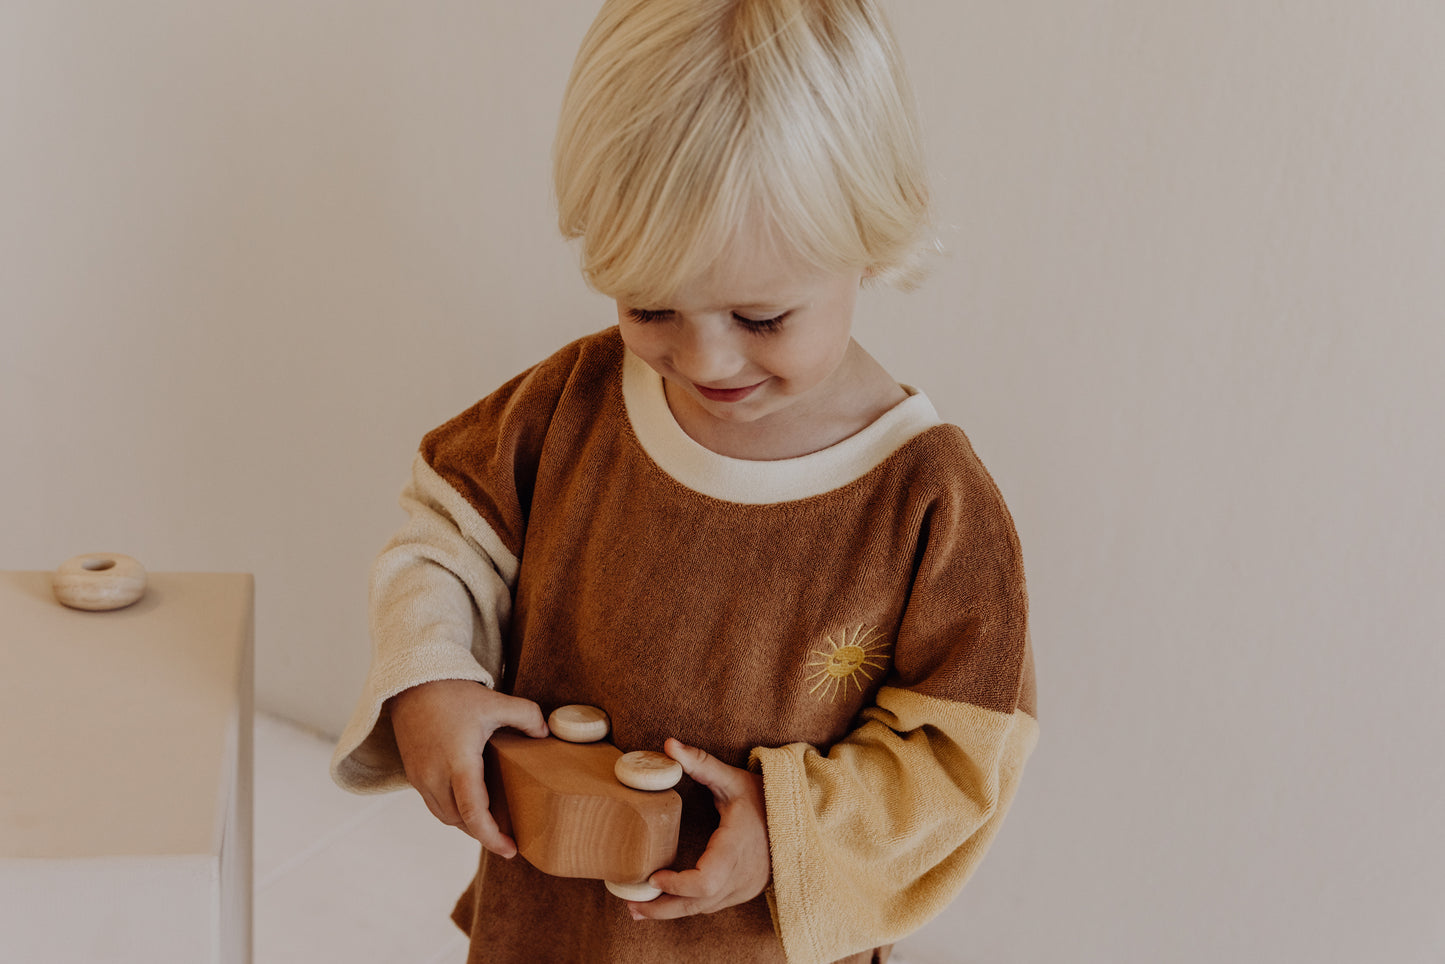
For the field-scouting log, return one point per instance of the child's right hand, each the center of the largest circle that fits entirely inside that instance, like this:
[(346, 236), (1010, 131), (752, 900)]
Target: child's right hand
[(441, 729)]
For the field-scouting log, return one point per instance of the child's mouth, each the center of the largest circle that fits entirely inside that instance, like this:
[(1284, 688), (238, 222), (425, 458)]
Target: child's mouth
[(726, 394)]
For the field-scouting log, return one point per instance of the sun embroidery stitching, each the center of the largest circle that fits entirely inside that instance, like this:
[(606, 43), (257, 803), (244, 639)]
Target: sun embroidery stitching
[(856, 652)]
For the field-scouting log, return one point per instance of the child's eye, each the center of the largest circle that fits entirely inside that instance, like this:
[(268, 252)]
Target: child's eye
[(761, 325), (644, 316)]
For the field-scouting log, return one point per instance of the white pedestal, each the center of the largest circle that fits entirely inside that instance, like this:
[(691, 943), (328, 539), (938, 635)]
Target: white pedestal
[(125, 774)]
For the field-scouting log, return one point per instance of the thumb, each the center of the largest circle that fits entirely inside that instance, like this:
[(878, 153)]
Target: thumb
[(724, 781), (522, 715)]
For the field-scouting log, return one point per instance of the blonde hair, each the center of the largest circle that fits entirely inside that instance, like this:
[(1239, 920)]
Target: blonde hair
[(683, 116)]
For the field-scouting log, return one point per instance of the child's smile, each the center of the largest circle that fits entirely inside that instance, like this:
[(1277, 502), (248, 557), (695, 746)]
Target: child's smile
[(728, 394)]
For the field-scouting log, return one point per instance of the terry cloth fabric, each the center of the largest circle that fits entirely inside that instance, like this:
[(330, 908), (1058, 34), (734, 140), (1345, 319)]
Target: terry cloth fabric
[(852, 624)]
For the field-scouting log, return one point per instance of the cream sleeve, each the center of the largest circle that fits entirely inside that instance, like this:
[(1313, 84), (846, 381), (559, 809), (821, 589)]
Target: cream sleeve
[(441, 598)]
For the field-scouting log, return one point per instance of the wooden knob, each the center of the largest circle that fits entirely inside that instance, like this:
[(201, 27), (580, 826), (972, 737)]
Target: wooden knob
[(638, 892), (99, 581), (646, 770), (578, 724)]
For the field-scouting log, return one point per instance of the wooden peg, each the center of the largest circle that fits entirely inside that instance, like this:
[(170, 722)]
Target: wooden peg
[(572, 818), (646, 770), (579, 724), (639, 892)]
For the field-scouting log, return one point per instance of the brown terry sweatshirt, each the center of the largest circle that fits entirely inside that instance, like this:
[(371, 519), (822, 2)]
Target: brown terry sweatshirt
[(851, 623)]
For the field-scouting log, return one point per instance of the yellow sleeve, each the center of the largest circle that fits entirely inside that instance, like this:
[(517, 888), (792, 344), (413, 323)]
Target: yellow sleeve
[(872, 840)]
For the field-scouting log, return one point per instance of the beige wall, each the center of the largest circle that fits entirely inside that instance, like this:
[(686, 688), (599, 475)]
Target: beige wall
[(1191, 319)]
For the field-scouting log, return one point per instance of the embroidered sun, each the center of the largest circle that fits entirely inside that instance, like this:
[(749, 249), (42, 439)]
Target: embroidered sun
[(857, 651)]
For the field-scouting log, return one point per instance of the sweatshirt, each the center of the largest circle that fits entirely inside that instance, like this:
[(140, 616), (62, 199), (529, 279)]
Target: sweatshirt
[(852, 624)]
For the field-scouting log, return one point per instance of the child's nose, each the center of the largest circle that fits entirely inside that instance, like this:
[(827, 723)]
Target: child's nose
[(707, 353)]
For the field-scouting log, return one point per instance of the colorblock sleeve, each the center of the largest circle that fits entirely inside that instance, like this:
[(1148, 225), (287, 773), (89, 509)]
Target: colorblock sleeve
[(441, 590), (873, 840), (874, 837), (441, 596)]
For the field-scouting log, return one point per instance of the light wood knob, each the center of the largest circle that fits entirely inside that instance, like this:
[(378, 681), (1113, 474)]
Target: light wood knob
[(99, 581), (638, 892), (646, 770), (578, 724)]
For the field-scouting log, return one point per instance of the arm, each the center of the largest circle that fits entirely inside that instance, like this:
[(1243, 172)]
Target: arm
[(440, 603), (440, 600), (874, 837), (441, 590), (953, 772)]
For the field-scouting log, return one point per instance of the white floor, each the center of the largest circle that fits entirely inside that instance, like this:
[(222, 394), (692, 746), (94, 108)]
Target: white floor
[(347, 878)]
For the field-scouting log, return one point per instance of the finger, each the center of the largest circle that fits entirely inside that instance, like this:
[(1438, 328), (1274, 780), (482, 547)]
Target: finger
[(436, 793), (693, 884), (476, 816), (684, 893), (520, 714), (446, 813), (666, 908), (724, 781)]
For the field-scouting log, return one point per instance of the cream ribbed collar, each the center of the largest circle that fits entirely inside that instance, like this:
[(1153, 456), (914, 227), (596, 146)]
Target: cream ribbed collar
[(762, 483)]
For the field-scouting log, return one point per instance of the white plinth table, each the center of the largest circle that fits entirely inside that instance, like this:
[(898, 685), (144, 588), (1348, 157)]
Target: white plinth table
[(125, 774)]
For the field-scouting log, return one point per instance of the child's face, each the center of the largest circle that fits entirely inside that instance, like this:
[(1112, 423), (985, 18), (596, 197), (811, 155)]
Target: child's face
[(760, 339)]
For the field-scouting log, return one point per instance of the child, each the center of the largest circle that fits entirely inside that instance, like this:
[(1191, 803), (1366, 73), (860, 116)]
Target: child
[(720, 520)]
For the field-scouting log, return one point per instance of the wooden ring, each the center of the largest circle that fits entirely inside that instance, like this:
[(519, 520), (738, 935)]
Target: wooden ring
[(99, 581)]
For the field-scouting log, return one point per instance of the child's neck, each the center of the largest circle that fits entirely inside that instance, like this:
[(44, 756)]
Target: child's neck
[(857, 395)]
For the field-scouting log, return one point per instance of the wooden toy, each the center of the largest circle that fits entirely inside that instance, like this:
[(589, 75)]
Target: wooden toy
[(99, 581), (571, 817)]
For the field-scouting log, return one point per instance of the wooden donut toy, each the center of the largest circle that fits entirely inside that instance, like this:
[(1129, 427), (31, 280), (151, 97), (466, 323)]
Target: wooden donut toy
[(99, 581)]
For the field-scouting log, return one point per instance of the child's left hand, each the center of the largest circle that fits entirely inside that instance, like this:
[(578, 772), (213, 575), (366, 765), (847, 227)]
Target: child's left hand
[(736, 865)]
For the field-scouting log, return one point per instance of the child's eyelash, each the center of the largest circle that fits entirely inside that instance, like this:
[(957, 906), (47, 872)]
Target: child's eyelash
[(643, 316), (759, 325)]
